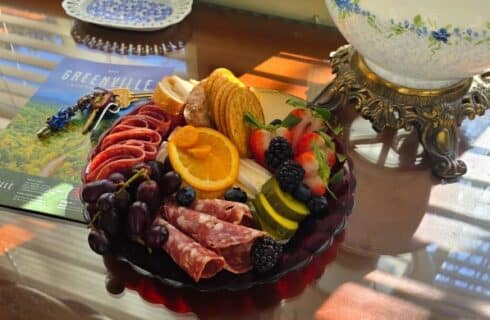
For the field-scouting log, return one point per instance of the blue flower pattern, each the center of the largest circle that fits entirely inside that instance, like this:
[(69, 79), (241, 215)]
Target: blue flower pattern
[(136, 11), (441, 35), (436, 36)]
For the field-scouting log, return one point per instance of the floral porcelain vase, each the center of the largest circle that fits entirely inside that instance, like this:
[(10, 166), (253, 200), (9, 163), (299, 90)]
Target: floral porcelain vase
[(418, 44)]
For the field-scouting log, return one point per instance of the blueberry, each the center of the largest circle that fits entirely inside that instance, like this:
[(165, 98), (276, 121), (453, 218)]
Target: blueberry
[(302, 193), (185, 196), (236, 194), (318, 206)]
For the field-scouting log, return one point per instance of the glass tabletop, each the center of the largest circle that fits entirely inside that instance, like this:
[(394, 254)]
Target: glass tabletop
[(414, 245)]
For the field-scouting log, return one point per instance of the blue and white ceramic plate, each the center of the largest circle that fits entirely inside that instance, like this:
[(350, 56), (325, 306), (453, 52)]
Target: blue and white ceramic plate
[(137, 15)]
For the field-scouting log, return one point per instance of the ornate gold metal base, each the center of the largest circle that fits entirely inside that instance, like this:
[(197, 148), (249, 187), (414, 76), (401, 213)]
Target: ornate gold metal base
[(435, 113)]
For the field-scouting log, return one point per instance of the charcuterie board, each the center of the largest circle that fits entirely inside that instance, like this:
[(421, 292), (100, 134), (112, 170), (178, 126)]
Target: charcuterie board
[(209, 231)]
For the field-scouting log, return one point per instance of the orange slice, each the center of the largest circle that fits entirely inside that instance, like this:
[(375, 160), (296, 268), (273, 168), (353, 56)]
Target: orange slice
[(216, 171), (200, 152), (185, 137)]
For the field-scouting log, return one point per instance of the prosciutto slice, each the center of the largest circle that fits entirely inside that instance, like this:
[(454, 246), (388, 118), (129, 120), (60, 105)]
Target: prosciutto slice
[(233, 242), (229, 211), (198, 261)]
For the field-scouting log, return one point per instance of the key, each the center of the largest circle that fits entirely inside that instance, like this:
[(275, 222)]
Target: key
[(122, 100), (99, 102), (124, 97)]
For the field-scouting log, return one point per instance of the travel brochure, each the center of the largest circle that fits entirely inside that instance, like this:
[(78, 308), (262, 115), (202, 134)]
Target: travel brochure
[(43, 175)]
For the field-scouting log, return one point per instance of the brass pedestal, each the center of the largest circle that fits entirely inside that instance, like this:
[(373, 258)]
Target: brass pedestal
[(435, 113)]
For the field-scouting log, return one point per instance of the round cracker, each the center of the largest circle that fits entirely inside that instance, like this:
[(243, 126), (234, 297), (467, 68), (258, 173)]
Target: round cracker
[(214, 76), (255, 105), (217, 98), (218, 84), (243, 100), (222, 105), (238, 131)]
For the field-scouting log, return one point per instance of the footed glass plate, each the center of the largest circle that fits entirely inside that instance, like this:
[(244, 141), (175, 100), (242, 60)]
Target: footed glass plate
[(124, 275), (136, 15), (314, 237)]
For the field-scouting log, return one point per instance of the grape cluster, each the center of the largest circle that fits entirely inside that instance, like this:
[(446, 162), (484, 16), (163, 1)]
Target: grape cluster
[(126, 205)]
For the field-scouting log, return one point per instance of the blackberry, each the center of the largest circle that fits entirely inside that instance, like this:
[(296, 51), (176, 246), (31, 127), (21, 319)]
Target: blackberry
[(318, 206), (290, 174), (265, 254), (185, 196), (276, 122), (279, 151), (236, 194)]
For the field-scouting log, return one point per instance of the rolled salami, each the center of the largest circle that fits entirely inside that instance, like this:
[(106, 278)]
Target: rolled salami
[(142, 134), (199, 262), (113, 159), (229, 211), (233, 242)]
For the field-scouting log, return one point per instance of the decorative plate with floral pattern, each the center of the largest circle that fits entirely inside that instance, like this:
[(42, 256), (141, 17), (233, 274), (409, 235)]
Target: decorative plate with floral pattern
[(137, 15)]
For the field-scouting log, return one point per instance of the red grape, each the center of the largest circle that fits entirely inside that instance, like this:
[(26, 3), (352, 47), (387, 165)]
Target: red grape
[(89, 211), (106, 202), (170, 183), (98, 241), (92, 191), (167, 166), (149, 193), (157, 170), (138, 218), (110, 223), (123, 200), (117, 177), (156, 236)]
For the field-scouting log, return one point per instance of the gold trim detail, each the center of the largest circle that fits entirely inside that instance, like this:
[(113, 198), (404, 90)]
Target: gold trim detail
[(436, 114), (366, 72)]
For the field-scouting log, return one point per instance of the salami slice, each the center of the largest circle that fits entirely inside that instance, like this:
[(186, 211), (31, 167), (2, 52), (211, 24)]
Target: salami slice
[(114, 159), (229, 211), (142, 134), (150, 149), (233, 242), (198, 261)]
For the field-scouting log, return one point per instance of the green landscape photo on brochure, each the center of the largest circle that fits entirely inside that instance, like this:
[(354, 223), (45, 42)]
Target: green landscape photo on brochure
[(43, 175)]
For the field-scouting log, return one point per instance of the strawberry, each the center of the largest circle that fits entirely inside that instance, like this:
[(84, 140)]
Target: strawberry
[(331, 157), (306, 142), (259, 142), (312, 177), (316, 185), (310, 120), (283, 132), (262, 135), (308, 161), (298, 130), (317, 169)]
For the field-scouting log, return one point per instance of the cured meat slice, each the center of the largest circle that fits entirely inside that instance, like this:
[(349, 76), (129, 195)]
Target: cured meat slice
[(113, 159), (229, 211), (198, 261), (142, 134), (233, 242), (150, 149)]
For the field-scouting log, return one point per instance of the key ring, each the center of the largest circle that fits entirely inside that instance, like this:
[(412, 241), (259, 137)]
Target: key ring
[(109, 108)]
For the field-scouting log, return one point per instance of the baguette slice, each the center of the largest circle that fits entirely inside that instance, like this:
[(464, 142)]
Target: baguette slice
[(171, 94)]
